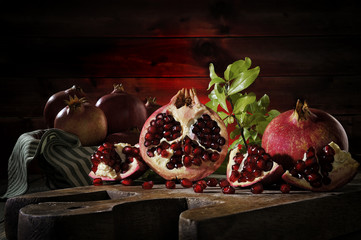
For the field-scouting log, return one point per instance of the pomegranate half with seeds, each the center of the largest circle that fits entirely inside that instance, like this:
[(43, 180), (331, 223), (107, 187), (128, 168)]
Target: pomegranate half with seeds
[(117, 161), (323, 170), (184, 139), (254, 166)]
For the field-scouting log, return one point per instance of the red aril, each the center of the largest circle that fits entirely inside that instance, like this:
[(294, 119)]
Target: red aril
[(148, 185), (257, 188), (228, 190), (186, 183), (184, 139), (170, 184)]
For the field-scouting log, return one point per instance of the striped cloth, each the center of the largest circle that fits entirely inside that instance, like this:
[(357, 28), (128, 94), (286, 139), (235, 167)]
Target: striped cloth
[(60, 154)]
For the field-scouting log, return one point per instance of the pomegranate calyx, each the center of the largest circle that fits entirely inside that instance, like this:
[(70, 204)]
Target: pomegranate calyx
[(301, 112), (185, 97), (118, 88), (75, 102)]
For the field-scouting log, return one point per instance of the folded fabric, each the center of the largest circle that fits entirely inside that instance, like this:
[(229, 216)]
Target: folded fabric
[(66, 163)]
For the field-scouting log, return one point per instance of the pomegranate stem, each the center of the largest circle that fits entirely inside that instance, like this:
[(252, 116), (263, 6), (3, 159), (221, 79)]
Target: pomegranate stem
[(238, 124)]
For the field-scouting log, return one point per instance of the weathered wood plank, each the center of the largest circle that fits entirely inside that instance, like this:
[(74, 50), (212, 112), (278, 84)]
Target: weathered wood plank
[(180, 19), (180, 57)]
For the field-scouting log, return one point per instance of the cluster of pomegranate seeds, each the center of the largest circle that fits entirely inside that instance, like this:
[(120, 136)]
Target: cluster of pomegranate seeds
[(256, 162), (163, 139), (207, 131), (107, 154), (148, 185), (315, 168)]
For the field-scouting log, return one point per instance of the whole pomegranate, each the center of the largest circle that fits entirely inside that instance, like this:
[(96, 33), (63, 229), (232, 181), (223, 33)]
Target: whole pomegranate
[(57, 102), (324, 170), (151, 105), (288, 136), (123, 111), (184, 139), (254, 166), (86, 121), (117, 161)]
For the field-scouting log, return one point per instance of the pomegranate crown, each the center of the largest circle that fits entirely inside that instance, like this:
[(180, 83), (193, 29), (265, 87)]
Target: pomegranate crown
[(75, 102), (118, 87), (185, 97), (302, 112)]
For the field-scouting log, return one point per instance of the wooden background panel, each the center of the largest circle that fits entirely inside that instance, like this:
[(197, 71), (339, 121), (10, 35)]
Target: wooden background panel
[(179, 18), (179, 57)]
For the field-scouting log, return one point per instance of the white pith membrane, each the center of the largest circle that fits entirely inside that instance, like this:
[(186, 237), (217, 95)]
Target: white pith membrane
[(344, 168), (107, 173), (187, 116), (262, 176)]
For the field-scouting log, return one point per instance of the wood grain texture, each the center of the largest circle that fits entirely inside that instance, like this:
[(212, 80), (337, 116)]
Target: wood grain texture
[(134, 213)]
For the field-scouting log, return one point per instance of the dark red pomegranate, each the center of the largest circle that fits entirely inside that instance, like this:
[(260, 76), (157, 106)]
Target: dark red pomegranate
[(57, 102), (151, 105), (324, 170), (124, 111), (184, 139), (254, 166), (116, 162), (86, 121), (289, 135)]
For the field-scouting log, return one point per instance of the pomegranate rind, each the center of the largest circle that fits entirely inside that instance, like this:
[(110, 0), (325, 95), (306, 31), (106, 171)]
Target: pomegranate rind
[(136, 169), (344, 170), (289, 135), (266, 178), (189, 114)]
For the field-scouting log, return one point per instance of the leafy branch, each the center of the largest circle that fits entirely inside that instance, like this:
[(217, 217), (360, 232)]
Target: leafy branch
[(249, 114)]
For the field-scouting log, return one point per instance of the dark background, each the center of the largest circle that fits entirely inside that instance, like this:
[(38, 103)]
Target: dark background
[(307, 50)]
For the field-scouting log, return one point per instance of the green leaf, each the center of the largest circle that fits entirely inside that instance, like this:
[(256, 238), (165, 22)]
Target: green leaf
[(213, 104), (243, 101), (264, 101), (273, 113), (243, 80), (223, 115), (227, 72), (236, 132), (221, 96), (238, 67), (214, 77)]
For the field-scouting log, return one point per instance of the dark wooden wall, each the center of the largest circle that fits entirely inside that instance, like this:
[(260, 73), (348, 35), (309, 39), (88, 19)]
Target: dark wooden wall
[(306, 49)]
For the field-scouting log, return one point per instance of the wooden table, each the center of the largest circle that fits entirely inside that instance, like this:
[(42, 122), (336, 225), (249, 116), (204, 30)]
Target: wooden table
[(130, 212)]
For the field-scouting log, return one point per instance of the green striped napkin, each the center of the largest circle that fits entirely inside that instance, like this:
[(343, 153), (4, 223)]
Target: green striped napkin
[(64, 161)]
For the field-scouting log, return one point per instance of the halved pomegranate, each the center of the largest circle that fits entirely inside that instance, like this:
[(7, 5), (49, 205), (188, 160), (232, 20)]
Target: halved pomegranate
[(254, 166), (117, 161), (184, 139), (325, 170)]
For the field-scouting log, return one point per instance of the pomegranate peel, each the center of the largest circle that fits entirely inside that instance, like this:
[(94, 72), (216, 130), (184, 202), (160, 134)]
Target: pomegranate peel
[(332, 170), (184, 139)]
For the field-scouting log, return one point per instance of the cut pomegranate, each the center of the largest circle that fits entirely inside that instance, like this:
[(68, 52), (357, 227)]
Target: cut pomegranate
[(254, 166), (117, 161), (323, 170), (184, 139)]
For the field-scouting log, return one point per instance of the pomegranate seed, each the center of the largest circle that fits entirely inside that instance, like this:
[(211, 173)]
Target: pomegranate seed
[(197, 161), (212, 182), (170, 184), (310, 161), (228, 190), (310, 152), (170, 165), (187, 161), (285, 188), (148, 185), (313, 177), (164, 153), (223, 183), (203, 183), (127, 182), (238, 159), (257, 188), (328, 150), (300, 166), (235, 167), (187, 149), (197, 151), (186, 183), (234, 176), (214, 156), (198, 188), (97, 182)]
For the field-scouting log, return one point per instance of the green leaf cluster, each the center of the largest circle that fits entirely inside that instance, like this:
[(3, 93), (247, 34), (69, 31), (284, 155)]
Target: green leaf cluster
[(232, 104)]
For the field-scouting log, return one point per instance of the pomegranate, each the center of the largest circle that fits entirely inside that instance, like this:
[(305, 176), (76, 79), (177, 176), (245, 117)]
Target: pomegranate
[(151, 105), (86, 121), (254, 166), (57, 102), (184, 139), (123, 111), (291, 133), (131, 137), (148, 185), (116, 162), (324, 170)]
